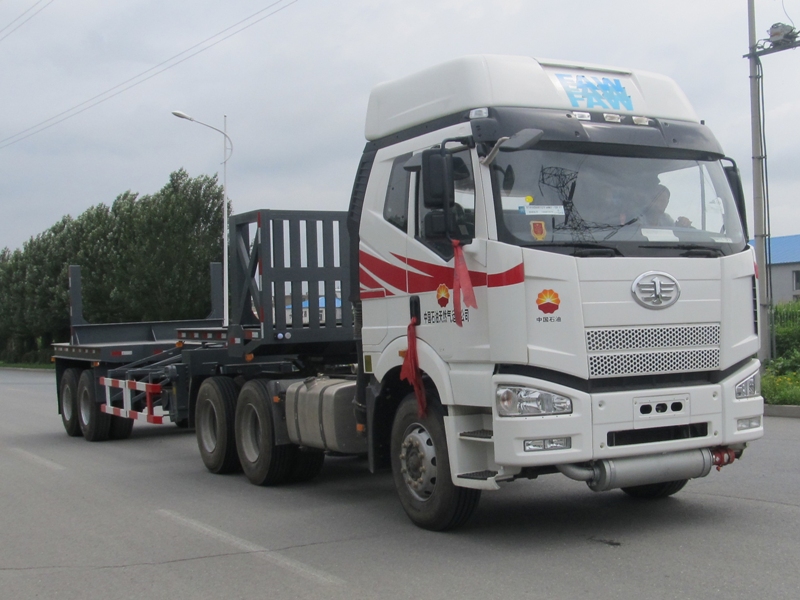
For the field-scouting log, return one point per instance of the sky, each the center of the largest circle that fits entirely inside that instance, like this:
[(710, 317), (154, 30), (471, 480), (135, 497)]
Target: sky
[(295, 86)]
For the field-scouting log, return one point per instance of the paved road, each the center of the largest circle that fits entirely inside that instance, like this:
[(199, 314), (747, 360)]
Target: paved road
[(142, 518)]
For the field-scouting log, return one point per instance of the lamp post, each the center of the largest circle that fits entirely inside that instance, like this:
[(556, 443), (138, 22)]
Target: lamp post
[(782, 37), (226, 154)]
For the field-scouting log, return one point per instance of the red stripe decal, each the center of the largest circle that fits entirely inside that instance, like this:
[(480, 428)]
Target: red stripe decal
[(373, 294), (367, 280), (376, 273), (391, 274), (511, 277)]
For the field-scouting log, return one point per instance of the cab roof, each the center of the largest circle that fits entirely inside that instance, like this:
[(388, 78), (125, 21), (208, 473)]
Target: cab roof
[(487, 80)]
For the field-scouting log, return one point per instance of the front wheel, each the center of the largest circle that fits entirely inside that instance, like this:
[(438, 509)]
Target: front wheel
[(656, 490), (421, 470)]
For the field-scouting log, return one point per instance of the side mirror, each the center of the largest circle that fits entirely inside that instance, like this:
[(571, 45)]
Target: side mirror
[(735, 182), (438, 187)]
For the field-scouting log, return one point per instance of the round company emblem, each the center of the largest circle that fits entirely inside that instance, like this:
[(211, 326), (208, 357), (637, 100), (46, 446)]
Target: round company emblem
[(655, 289)]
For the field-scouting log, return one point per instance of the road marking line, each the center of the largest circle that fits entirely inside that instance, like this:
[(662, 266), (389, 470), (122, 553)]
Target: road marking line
[(43, 462), (295, 566)]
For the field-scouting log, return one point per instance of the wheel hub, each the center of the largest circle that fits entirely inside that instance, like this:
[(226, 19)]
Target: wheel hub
[(208, 426), (67, 403), (418, 462)]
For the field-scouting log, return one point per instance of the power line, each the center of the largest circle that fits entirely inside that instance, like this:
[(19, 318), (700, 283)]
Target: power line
[(26, 20), (140, 78)]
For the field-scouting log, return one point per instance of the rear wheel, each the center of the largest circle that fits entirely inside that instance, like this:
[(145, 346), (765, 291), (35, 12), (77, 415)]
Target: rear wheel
[(262, 461), (214, 418), (308, 463), (68, 401), (120, 428), (421, 470), (94, 424), (656, 490)]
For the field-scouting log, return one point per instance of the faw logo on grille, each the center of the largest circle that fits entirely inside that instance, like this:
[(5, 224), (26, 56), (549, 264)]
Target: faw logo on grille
[(656, 290)]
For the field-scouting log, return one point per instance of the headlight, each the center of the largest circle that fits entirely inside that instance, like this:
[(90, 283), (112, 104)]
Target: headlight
[(747, 388), (522, 401)]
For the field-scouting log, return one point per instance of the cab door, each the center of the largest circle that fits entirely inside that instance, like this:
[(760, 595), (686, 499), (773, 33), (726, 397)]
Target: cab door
[(430, 262)]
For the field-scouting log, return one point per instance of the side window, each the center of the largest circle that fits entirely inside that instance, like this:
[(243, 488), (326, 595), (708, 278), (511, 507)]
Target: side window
[(395, 209), (464, 209)]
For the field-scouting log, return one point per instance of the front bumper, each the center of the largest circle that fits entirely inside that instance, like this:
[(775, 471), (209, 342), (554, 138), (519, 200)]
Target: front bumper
[(628, 423)]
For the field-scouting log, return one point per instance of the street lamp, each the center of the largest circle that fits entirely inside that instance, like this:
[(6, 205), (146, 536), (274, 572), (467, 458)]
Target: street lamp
[(226, 154), (782, 37)]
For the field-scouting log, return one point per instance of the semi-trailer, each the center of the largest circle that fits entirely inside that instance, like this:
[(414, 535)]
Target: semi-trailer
[(544, 269)]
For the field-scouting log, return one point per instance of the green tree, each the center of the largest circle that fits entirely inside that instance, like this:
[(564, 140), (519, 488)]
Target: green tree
[(143, 259)]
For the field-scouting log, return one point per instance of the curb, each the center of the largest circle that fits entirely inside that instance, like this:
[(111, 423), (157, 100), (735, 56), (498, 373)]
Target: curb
[(777, 410)]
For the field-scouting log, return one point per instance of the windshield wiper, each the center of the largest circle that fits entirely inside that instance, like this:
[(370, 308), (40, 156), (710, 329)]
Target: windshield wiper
[(583, 249), (618, 227), (692, 250)]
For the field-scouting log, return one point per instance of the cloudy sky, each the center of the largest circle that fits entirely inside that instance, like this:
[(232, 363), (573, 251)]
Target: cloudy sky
[(295, 87)]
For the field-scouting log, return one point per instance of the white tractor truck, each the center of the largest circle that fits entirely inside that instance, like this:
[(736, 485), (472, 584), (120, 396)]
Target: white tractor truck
[(547, 271)]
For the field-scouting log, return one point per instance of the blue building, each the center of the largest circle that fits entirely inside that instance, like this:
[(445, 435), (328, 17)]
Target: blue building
[(785, 268)]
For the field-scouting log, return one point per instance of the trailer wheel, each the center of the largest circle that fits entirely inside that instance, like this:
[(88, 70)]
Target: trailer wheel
[(214, 417), (94, 424), (68, 401), (421, 470), (120, 428), (308, 463), (656, 490), (262, 461)]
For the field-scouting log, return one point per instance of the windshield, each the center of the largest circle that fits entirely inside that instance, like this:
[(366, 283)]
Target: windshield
[(615, 205)]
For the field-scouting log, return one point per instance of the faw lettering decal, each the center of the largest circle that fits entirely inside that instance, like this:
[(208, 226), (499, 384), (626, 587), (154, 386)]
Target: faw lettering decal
[(379, 278), (595, 92)]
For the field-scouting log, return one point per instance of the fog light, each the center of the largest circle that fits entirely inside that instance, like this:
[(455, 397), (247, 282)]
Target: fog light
[(562, 443), (582, 116), (747, 388), (612, 118), (750, 423), (524, 401), (534, 445), (641, 121)]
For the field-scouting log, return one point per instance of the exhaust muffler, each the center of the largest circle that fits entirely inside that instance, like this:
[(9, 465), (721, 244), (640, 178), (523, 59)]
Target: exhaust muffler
[(613, 473)]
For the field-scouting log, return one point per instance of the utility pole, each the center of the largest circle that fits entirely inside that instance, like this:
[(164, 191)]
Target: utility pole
[(759, 221), (782, 37)]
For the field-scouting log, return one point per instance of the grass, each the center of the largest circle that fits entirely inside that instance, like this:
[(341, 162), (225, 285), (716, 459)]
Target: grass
[(45, 366), (781, 389)]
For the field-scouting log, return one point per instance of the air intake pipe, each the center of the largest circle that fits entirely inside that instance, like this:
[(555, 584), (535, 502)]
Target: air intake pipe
[(615, 473)]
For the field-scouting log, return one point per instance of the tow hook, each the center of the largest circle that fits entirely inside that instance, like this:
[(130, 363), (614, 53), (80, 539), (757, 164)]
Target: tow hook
[(722, 457)]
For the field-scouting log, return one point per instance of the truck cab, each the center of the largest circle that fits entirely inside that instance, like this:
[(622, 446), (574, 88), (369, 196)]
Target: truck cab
[(614, 321)]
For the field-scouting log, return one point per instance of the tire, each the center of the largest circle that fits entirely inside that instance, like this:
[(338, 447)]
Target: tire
[(214, 418), (308, 463), (656, 490), (262, 461), (93, 423), (421, 470), (68, 401), (120, 428)]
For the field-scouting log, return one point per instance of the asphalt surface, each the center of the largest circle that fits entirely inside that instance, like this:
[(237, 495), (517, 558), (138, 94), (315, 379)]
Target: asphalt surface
[(142, 518)]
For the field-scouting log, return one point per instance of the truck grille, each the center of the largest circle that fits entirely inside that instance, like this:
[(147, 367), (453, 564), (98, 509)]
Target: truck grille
[(652, 350)]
